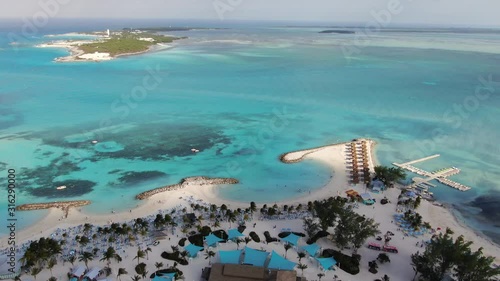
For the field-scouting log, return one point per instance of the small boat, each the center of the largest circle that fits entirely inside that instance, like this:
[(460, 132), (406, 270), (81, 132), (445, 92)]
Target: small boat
[(61, 187), (94, 142), (193, 149)]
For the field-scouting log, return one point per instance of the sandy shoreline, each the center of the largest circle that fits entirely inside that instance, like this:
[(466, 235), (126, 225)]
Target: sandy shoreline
[(332, 155)]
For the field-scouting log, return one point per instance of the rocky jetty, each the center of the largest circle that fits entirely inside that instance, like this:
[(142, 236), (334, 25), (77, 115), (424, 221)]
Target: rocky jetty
[(63, 205), (185, 182)]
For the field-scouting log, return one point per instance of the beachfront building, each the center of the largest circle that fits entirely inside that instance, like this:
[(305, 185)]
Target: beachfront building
[(236, 272)]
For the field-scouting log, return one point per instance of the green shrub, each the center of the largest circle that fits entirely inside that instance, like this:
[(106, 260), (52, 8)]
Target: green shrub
[(196, 239), (221, 233), (254, 237), (285, 234), (175, 256), (317, 236), (182, 242), (269, 238), (347, 263)]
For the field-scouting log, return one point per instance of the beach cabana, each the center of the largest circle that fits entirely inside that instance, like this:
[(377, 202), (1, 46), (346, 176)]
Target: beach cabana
[(411, 194), (93, 273), (78, 271), (291, 239), (193, 250), (164, 277), (232, 257), (212, 240), (311, 249), (377, 186), (367, 199), (233, 234), (327, 263), (255, 257), (280, 263)]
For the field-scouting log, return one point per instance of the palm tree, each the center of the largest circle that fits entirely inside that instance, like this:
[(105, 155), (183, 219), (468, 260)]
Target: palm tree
[(301, 255), (52, 262), (86, 257), (136, 278), (238, 242), (209, 255), (148, 250), (302, 266), (72, 260), (108, 255), (287, 247), (121, 271), (34, 271), (247, 240), (158, 265), (320, 275), (140, 255), (107, 270)]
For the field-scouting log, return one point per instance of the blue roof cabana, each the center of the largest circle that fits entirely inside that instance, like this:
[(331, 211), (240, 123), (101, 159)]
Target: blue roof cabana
[(327, 263), (212, 240), (164, 277), (255, 257), (232, 257), (193, 250), (367, 199), (280, 263), (292, 239), (311, 249), (233, 234)]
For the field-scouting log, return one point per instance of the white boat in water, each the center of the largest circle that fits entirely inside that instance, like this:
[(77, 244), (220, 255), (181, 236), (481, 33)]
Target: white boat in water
[(61, 187)]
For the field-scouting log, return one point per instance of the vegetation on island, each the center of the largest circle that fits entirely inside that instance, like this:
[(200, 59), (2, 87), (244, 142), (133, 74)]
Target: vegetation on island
[(126, 42), (447, 256), (389, 175)]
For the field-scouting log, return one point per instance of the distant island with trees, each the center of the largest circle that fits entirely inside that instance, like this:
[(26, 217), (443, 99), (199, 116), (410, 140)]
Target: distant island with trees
[(109, 45)]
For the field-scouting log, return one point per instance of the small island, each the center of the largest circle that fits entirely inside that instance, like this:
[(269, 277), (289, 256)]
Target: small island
[(338, 31), (109, 45)]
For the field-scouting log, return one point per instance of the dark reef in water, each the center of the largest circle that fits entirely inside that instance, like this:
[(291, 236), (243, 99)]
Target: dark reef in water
[(44, 176), (10, 118), (147, 142), (130, 178), (73, 188), (490, 207)]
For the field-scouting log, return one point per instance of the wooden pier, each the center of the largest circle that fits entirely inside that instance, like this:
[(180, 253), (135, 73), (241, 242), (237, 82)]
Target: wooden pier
[(440, 175)]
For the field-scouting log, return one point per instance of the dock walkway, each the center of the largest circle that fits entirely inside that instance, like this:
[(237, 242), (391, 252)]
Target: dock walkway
[(440, 175)]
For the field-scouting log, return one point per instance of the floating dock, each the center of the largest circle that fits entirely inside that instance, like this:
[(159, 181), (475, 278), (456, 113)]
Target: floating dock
[(440, 175)]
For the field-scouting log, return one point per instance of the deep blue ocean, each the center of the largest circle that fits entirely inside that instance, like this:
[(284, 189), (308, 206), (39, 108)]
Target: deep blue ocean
[(243, 95)]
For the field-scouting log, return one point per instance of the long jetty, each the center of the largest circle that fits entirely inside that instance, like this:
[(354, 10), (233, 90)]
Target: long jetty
[(64, 205), (440, 175), (185, 182)]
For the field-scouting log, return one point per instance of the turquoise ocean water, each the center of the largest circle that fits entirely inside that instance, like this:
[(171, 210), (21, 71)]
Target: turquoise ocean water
[(243, 96)]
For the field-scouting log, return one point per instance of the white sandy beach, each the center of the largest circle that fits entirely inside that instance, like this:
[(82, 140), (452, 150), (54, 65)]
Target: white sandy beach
[(334, 156)]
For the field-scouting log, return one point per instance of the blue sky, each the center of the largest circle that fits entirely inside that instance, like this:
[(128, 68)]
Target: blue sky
[(432, 12)]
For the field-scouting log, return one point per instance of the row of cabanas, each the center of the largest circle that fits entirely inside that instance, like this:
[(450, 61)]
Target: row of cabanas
[(259, 258), (211, 240)]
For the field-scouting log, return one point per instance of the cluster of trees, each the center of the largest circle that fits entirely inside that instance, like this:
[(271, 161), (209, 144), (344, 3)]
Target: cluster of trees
[(445, 255), (389, 175), (350, 228)]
